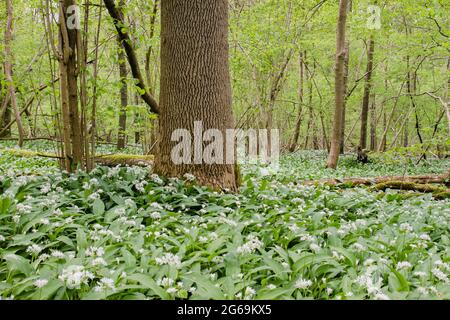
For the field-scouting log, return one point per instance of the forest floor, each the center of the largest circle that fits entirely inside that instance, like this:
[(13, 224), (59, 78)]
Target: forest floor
[(125, 233)]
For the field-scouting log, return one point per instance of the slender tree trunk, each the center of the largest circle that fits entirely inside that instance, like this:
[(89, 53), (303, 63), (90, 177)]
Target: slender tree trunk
[(373, 124), (346, 71), (9, 69), (123, 101), (82, 54), (346, 65), (405, 135), (383, 139), (64, 93), (72, 86), (93, 128), (339, 90), (137, 122), (150, 47), (121, 139), (366, 97), (5, 110), (195, 86), (298, 123)]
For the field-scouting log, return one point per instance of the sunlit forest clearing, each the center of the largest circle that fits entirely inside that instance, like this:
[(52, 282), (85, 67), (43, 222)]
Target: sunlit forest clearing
[(224, 149)]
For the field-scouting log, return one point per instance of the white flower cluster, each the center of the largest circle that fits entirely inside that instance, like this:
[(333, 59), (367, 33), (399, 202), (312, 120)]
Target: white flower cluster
[(140, 186), (302, 284), (46, 188), (250, 246), (99, 262), (249, 293), (57, 254), (169, 259), (105, 284), (40, 283), (74, 276), (406, 227), (95, 252), (229, 222), (440, 275), (165, 282), (23, 208), (34, 249), (155, 178), (403, 265), (373, 288)]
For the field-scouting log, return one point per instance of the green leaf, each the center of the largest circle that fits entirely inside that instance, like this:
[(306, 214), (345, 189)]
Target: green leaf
[(205, 287), (98, 207), (149, 283), (18, 263)]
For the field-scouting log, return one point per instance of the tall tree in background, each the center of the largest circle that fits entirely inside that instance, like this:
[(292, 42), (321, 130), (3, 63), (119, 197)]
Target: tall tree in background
[(70, 54), (5, 110), (366, 97), (8, 65), (346, 72), (298, 123), (195, 85), (339, 87), (121, 139)]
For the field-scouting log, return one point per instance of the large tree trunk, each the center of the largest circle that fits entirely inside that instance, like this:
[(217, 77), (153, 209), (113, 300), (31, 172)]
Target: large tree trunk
[(8, 69), (339, 89), (195, 86), (366, 97)]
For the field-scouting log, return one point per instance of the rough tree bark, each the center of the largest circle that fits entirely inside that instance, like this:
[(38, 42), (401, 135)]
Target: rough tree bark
[(339, 89), (195, 85), (366, 97)]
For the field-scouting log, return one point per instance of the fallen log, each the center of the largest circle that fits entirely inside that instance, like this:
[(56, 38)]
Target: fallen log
[(351, 182), (437, 191), (113, 160), (109, 160)]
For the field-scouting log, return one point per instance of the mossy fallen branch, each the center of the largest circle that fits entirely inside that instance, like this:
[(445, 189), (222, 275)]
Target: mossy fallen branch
[(353, 182), (437, 191), (110, 160)]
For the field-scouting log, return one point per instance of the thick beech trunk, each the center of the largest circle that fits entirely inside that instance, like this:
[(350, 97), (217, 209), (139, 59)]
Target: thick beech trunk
[(195, 86)]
